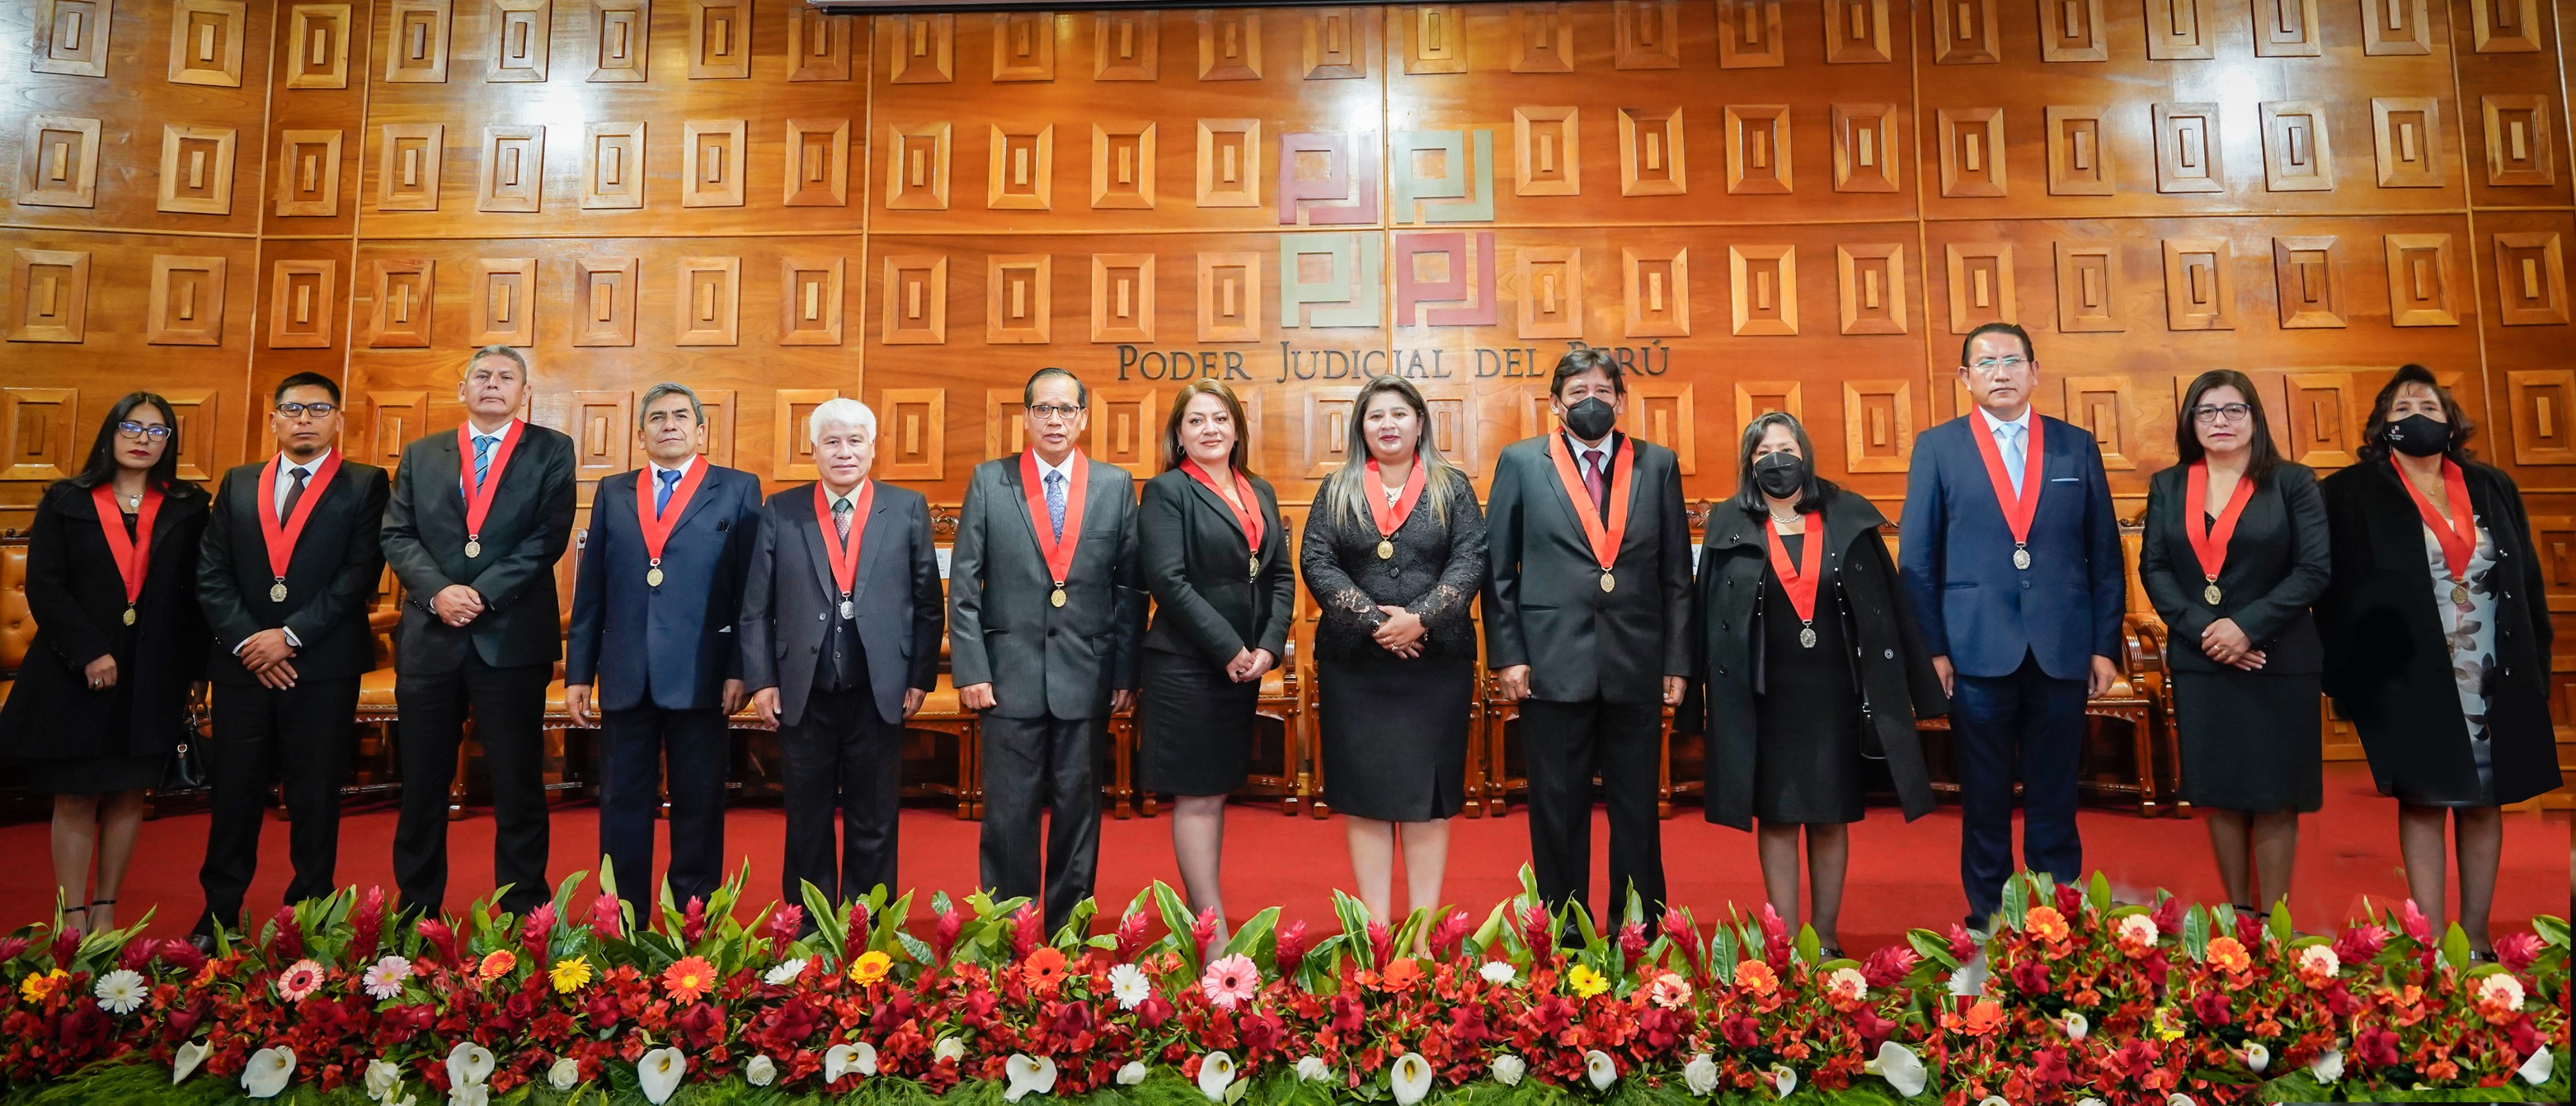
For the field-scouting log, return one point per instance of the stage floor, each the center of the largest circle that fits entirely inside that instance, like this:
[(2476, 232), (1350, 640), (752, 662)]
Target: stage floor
[(1901, 875)]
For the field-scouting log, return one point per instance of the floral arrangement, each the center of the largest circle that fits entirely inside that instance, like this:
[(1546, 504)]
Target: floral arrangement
[(2075, 999)]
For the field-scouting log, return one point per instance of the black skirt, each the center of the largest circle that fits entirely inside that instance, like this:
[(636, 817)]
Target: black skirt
[(1193, 726), (1395, 735), (2250, 740), (1806, 714)]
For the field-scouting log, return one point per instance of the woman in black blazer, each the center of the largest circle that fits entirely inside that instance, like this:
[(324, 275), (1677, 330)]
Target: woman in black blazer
[(2235, 553), (1225, 589), (2437, 640), (102, 698)]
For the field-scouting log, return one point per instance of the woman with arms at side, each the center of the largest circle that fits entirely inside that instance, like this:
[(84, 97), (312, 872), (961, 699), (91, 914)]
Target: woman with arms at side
[(2437, 639), (102, 698), (2235, 553), (1394, 553), (1810, 664), (1225, 590)]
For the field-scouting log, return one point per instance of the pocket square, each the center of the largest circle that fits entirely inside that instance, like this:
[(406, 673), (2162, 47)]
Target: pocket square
[(2064, 479)]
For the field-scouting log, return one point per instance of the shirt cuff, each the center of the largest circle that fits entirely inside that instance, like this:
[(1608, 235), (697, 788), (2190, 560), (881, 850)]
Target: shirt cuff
[(291, 639)]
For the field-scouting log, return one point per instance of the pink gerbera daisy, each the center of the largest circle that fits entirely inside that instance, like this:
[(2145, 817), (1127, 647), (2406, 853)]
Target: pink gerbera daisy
[(299, 980), (1230, 981)]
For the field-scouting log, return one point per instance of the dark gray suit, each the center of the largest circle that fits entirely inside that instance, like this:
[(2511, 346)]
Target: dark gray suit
[(841, 734), (1052, 670), (1597, 659)]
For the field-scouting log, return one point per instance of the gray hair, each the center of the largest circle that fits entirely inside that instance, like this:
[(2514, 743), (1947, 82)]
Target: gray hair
[(498, 350), (840, 411), (697, 411)]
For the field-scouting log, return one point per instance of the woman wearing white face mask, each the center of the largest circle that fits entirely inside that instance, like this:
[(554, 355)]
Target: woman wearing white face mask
[(2436, 626)]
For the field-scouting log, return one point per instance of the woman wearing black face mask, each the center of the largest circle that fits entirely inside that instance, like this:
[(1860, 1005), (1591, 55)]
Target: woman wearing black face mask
[(1809, 664), (2437, 639)]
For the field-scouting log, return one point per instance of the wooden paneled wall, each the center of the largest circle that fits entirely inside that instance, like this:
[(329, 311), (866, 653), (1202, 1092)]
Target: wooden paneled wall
[(1757, 203)]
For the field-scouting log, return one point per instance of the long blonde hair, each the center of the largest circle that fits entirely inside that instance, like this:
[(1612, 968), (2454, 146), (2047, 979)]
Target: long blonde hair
[(1348, 485)]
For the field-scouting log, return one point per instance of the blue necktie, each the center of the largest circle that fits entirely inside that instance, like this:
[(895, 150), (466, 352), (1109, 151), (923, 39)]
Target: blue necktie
[(483, 444), (1055, 502), (2008, 436), (662, 498)]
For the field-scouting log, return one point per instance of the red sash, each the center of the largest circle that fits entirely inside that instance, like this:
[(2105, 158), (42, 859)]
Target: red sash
[(2209, 541), (2018, 509), (281, 534), (1605, 539), (1799, 580), (478, 501), (658, 527), (133, 556), (1059, 554), (1390, 516), (2458, 533), (1247, 512), (844, 558)]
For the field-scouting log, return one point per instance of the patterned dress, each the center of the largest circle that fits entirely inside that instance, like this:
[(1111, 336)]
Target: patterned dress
[(2469, 627)]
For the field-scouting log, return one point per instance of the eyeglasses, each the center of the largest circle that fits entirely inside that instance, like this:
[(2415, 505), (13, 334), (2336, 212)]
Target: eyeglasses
[(1049, 412), (156, 431), (2231, 412), (298, 410), (2002, 364)]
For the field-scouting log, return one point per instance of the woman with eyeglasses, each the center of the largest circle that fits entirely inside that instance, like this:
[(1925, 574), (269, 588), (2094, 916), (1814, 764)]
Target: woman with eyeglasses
[(102, 698), (2235, 553), (2437, 639)]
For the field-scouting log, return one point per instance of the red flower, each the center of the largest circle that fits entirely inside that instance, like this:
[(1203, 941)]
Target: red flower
[(2030, 977), (286, 942), (1026, 927), (689, 979), (1872, 1028), (1153, 1012), (1985, 1017), (1043, 969), (1131, 936), (2210, 1007), (693, 921), (2360, 944), (2417, 925), (2375, 1047), (84, 1027), (1072, 1019), (1889, 966), (1449, 935), (2516, 951), (2168, 916), (536, 932), (1632, 939), (1262, 1032), (1291, 951), (606, 919), (784, 921), (703, 1025), (2070, 902), (2050, 1066), (1963, 944), (2132, 1060), (1740, 1031), (1401, 974)]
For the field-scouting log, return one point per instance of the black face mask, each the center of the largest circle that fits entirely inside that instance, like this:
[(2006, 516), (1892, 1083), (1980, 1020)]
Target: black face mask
[(2418, 435), (1590, 419), (1779, 475)]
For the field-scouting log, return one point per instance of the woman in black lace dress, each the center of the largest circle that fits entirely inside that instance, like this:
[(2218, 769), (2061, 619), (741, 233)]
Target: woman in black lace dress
[(1394, 552)]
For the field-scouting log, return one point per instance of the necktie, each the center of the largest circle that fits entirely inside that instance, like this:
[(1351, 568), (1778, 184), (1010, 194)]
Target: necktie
[(1595, 480), (294, 492), (483, 444), (670, 480), (841, 518), (2008, 437), (1055, 502)]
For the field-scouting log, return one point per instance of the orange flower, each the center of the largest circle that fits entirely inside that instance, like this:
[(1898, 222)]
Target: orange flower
[(1401, 973), (689, 979), (1985, 1017), (2229, 955), (496, 964), (2045, 923), (1044, 969), (1756, 977)]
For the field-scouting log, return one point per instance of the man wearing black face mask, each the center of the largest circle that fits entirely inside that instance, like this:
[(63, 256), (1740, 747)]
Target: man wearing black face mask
[(1587, 627)]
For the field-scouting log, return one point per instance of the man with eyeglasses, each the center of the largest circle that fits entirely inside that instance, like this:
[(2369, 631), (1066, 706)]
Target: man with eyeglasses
[(2011, 557), (286, 577), (478, 517), (1046, 605)]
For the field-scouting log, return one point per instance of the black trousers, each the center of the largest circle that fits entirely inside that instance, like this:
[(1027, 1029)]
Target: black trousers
[(2028, 727), (508, 706), (1032, 765), (299, 740), (633, 748), (1563, 744), (841, 756)]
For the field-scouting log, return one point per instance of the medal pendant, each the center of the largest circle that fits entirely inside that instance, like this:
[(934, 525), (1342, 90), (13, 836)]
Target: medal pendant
[(1056, 598), (277, 592), (473, 547), (1807, 638), (1256, 568), (2021, 558), (653, 577), (2459, 594), (129, 616), (849, 609), (1609, 582), (1386, 549), (2210, 593)]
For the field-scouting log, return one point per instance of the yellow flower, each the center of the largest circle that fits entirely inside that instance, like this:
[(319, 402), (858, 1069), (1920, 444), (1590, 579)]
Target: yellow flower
[(2168, 1025), (1586, 982), (870, 967), (570, 974), (37, 986)]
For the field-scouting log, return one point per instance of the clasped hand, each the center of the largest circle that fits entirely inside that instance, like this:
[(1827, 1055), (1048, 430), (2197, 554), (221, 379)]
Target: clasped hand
[(1401, 633), (270, 659), (2225, 642), (1249, 665), (456, 605)]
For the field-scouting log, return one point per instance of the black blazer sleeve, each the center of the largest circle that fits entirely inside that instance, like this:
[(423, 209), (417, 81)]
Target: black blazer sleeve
[(929, 608), (1462, 577), (2109, 567), (590, 594), (2348, 545), (1338, 598), (1128, 635), (1506, 509), (1279, 576), (1163, 523), (1675, 557), (353, 589), (218, 590), (2535, 581), (2158, 558), (968, 663), (756, 628), (75, 639), (2311, 565), (421, 577)]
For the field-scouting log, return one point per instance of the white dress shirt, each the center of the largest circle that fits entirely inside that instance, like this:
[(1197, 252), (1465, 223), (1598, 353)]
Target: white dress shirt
[(1994, 424)]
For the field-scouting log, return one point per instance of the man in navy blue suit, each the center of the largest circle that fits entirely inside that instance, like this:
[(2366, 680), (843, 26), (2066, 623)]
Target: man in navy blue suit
[(652, 645), (2011, 557)]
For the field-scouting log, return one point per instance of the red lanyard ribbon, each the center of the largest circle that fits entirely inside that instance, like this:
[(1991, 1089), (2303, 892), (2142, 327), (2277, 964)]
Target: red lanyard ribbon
[(1605, 539), (1800, 580), (844, 556), (2019, 508), (281, 534), (478, 500), (1390, 516), (1247, 510), (2209, 541), (658, 526), (2458, 533), (1059, 552), (133, 555)]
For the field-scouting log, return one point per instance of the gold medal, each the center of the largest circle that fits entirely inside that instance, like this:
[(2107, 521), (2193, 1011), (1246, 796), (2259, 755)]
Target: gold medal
[(473, 547), (1386, 549), (129, 616), (1807, 638), (2021, 558), (1057, 597), (1609, 582), (2459, 594), (1256, 568), (653, 577), (2210, 593), (277, 592)]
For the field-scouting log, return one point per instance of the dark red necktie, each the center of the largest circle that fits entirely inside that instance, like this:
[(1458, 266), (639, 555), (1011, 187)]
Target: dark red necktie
[(1595, 480)]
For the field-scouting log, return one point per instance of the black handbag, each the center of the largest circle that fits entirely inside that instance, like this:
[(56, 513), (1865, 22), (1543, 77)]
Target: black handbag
[(187, 767)]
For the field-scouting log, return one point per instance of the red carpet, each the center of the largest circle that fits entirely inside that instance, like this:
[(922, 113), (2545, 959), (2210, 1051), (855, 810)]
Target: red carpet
[(1901, 875)]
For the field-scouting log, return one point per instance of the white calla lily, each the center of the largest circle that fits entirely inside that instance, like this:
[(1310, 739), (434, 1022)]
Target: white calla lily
[(2328, 1067), (2076, 1025), (848, 1058), (660, 1071), (1131, 1073), (2089, 1100), (1313, 1069), (1028, 1075), (565, 1074), (1600, 1069), (1901, 1068), (949, 1048), (382, 1080), (2538, 1069), (1508, 1069), (760, 1072), (269, 1071), (2257, 1056), (1993, 1100), (1700, 1075), (1784, 1080), (186, 1059), (478, 1094), (1216, 1073), (1970, 979), (468, 1064), (2179, 1099), (1410, 1076)]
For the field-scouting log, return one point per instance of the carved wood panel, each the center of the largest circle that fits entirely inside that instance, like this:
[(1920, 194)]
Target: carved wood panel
[(1748, 35), (1871, 288), (2298, 151), (1864, 147), (917, 171), (1878, 425), (2071, 30), (2182, 30), (622, 39), (48, 297), (72, 37), (2306, 281), (206, 41), (1981, 285), (504, 303), (1650, 153), (612, 172), (2419, 280), (2200, 284), (2538, 401), (2079, 151), (713, 153), (38, 433), (2518, 133), (912, 434), (513, 174), (2396, 27), (1972, 151), (1963, 33), (604, 300), (401, 302), (1763, 288), (719, 39), (1547, 148), (1229, 296), (409, 158), (1549, 287), (2531, 278), (2286, 29), (1122, 164), (2188, 148), (1229, 45), (818, 45), (197, 169), (1856, 32), (1757, 149), (521, 33), (1656, 299), (809, 303), (308, 173), (416, 41), (61, 162), (317, 46), (916, 300), (302, 306), (710, 302), (818, 162), (1229, 163), (1122, 297), (2406, 133), (2088, 287)]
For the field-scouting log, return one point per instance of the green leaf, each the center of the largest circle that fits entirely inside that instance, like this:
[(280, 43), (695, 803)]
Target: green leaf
[(1354, 917), (1253, 939), (2552, 930), (2099, 893), (2455, 947), (1723, 953), (2280, 927), (2195, 934), (830, 923), (1178, 919), (607, 876), (1809, 945), (1077, 925), (1931, 946), (2016, 902)]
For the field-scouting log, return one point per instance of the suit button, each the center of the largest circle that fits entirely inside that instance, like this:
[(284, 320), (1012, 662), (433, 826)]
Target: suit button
[(1721, 672), (1050, 633), (2025, 585), (1721, 625), (820, 616), (1890, 654)]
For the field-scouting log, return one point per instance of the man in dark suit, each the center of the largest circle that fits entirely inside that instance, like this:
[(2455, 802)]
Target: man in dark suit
[(1587, 626), (2011, 557), (653, 645), (477, 520), (286, 577), (1046, 604), (840, 644)]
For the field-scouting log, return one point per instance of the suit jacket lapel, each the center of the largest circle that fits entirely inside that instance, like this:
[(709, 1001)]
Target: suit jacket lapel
[(1564, 497), (1019, 509), (1224, 510), (707, 487), (818, 550), (876, 530)]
